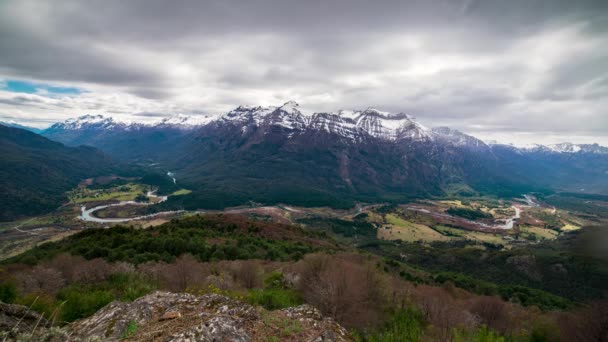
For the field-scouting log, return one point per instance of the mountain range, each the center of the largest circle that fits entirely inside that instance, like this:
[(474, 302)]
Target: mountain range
[(280, 155), (36, 172)]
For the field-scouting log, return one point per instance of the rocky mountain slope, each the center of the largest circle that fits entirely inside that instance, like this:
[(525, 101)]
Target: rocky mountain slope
[(166, 316)]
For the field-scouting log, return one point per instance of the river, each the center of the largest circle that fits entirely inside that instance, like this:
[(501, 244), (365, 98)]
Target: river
[(87, 214)]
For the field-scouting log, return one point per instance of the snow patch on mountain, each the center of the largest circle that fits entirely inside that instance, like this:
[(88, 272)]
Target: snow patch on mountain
[(456, 137), (90, 121), (182, 120)]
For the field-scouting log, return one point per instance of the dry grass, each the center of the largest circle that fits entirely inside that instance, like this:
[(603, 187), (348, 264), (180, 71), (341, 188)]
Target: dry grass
[(401, 229), (541, 233), (569, 227)]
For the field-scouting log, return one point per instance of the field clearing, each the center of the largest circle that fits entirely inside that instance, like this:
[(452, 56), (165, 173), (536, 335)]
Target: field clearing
[(127, 192), (540, 232), (408, 231), (153, 223), (485, 237), (181, 192), (569, 227), (454, 203), (471, 235)]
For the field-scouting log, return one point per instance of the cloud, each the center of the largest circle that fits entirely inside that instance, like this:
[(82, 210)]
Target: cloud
[(492, 67)]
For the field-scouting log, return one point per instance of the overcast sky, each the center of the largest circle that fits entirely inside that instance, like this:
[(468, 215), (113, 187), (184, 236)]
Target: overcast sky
[(518, 71)]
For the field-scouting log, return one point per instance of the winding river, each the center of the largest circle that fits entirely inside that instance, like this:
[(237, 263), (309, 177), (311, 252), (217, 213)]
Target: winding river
[(87, 214)]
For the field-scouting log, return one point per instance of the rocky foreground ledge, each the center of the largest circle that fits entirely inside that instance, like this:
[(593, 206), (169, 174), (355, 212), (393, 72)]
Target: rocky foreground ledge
[(165, 316)]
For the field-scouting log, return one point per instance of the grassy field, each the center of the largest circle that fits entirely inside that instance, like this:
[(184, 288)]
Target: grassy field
[(471, 235), (398, 228), (126, 192), (540, 233), (569, 227), (181, 192)]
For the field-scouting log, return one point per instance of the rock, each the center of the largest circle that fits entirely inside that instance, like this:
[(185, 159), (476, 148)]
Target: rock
[(165, 316), (170, 315), (215, 329), (19, 323), (320, 328), (17, 319)]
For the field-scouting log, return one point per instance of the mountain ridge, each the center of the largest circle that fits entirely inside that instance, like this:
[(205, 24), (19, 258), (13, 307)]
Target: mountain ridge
[(347, 124)]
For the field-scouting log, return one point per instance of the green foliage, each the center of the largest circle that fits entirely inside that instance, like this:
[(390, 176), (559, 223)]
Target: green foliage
[(276, 294), (469, 214), (80, 303), (274, 298), (128, 286), (142, 198), (583, 203), (239, 239), (8, 292), (130, 330), (528, 296), (275, 280), (163, 183), (492, 271), (42, 303), (468, 283), (342, 227), (83, 300), (404, 325), (483, 334), (36, 172)]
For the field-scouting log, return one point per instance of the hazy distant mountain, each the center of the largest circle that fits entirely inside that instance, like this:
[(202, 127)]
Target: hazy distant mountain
[(36, 172), (16, 125), (279, 154)]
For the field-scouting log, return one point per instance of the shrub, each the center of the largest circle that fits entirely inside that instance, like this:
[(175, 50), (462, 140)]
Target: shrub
[(469, 214), (483, 334), (404, 325), (8, 292), (274, 298), (350, 290), (80, 303)]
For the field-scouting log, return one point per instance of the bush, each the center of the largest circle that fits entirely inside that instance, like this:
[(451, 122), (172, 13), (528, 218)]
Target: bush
[(469, 214), (404, 325), (8, 292), (274, 298), (129, 286), (482, 334), (80, 303)]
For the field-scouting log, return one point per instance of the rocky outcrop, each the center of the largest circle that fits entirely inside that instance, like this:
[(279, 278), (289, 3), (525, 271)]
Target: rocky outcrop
[(20, 323), (164, 316), (18, 319)]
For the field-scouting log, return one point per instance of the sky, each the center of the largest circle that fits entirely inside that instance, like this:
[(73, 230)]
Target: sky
[(517, 71)]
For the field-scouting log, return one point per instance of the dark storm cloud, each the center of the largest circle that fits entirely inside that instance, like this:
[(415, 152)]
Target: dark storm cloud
[(478, 65)]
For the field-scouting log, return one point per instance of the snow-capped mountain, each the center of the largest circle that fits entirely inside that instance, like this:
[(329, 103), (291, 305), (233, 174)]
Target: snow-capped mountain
[(345, 124), (566, 147), (349, 125), (578, 148), (348, 152), (89, 122), (100, 121)]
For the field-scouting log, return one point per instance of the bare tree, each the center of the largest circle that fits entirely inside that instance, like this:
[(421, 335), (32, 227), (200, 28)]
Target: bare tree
[(92, 271), (585, 325), (247, 273), (40, 279), (184, 272), (349, 291), (493, 312)]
